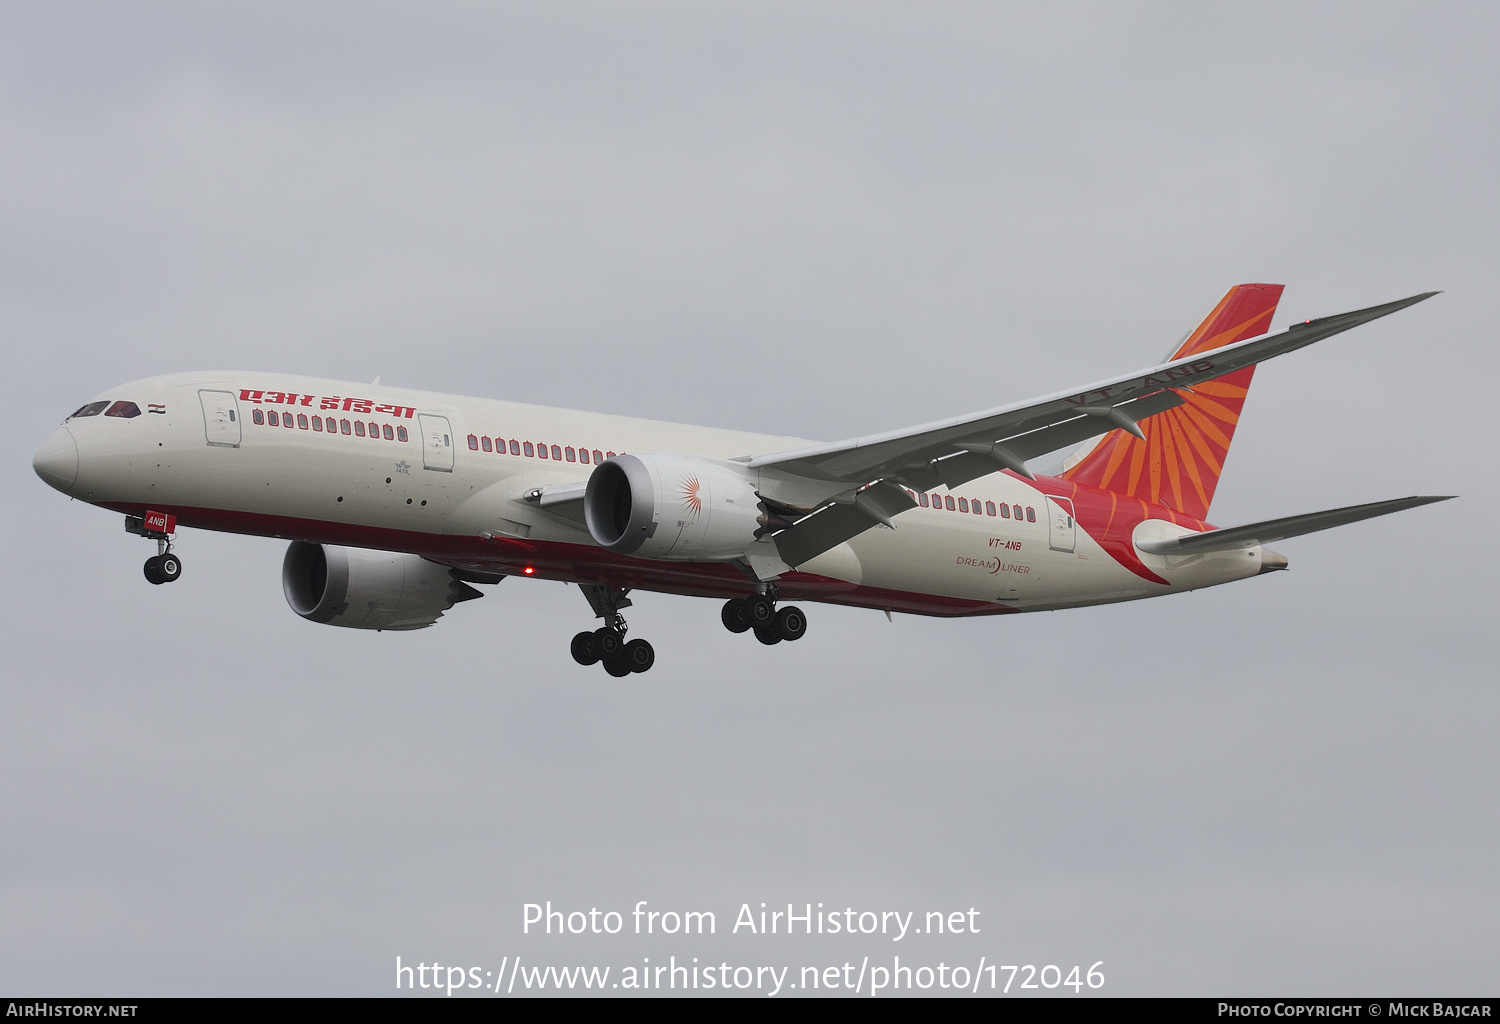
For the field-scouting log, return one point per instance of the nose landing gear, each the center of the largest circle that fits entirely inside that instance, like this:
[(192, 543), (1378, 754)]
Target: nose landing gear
[(164, 566), (608, 644), (771, 625)]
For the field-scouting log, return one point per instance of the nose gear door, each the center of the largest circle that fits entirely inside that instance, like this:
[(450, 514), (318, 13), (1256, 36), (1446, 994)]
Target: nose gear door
[(221, 418)]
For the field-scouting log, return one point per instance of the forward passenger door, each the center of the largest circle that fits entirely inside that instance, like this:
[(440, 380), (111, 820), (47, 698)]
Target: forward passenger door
[(221, 418), (437, 443)]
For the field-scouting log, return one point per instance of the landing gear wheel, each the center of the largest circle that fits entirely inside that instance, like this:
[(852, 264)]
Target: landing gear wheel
[(585, 649), (762, 610), (608, 643), (768, 635), (639, 655), (617, 667), (168, 567), (736, 616), (791, 623), (152, 570)]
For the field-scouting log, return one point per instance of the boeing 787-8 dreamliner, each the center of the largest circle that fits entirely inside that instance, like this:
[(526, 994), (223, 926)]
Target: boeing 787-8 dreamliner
[(397, 501)]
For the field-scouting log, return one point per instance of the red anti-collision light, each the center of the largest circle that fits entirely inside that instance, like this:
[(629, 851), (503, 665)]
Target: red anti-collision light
[(529, 570)]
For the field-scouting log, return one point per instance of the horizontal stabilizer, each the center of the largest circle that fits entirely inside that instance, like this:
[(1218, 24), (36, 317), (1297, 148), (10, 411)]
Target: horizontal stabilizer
[(1280, 529)]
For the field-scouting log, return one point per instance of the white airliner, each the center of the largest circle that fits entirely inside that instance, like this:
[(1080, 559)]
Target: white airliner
[(395, 501)]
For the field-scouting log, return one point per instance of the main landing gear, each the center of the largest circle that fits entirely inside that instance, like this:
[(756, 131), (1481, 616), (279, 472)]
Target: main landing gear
[(164, 566), (771, 625), (608, 644)]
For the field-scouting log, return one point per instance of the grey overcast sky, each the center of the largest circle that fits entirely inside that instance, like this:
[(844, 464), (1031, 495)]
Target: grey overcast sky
[(812, 219)]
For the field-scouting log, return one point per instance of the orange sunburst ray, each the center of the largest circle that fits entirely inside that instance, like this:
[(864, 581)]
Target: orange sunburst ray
[(1215, 409)]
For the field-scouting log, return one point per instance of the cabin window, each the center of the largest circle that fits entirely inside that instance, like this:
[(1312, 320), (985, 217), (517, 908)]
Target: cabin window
[(484, 443), (92, 409), (598, 456), (317, 423), (301, 421), (583, 456), (286, 420), (989, 508), (1018, 510), (123, 410), (541, 450), (974, 507), (473, 443), (922, 499), (344, 426), (963, 504), (556, 452), (273, 419), (386, 432), (572, 455), (401, 433), (530, 451), (610, 454), (1004, 511), (515, 448), (1030, 514), (375, 429), (359, 427), (257, 416), (948, 502)]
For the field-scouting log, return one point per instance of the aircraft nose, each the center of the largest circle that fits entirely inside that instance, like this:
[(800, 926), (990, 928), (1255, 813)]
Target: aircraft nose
[(56, 461)]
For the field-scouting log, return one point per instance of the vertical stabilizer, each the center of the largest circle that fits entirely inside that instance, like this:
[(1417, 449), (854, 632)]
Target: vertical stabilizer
[(1179, 462)]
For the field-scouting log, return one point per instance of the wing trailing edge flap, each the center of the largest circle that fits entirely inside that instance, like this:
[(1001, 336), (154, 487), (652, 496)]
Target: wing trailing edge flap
[(1014, 452), (846, 518), (1280, 529)]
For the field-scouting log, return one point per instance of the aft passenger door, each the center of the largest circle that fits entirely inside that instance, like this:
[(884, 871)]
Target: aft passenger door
[(437, 443), (221, 418), (1061, 530)]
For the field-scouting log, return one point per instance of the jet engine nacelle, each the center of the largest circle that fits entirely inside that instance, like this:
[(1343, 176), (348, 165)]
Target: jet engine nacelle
[(366, 589), (678, 507)]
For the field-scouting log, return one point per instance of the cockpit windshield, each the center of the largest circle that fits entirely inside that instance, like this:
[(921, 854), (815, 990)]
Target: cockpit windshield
[(92, 409), (124, 410)]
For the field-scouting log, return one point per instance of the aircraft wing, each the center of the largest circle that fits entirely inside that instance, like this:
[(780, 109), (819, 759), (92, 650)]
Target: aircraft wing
[(859, 477), (1280, 529), (957, 450)]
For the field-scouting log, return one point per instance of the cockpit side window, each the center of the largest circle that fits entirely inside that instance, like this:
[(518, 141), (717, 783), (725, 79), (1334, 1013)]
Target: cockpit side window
[(124, 410), (92, 409)]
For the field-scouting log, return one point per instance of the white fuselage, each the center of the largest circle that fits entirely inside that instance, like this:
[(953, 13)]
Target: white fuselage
[(205, 449)]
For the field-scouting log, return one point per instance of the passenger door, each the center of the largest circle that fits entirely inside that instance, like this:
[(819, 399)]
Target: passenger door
[(1061, 531), (437, 443), (221, 418)]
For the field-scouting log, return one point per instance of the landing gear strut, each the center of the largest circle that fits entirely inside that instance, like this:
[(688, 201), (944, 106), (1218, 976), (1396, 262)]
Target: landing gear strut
[(771, 625), (608, 644), (164, 566)]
